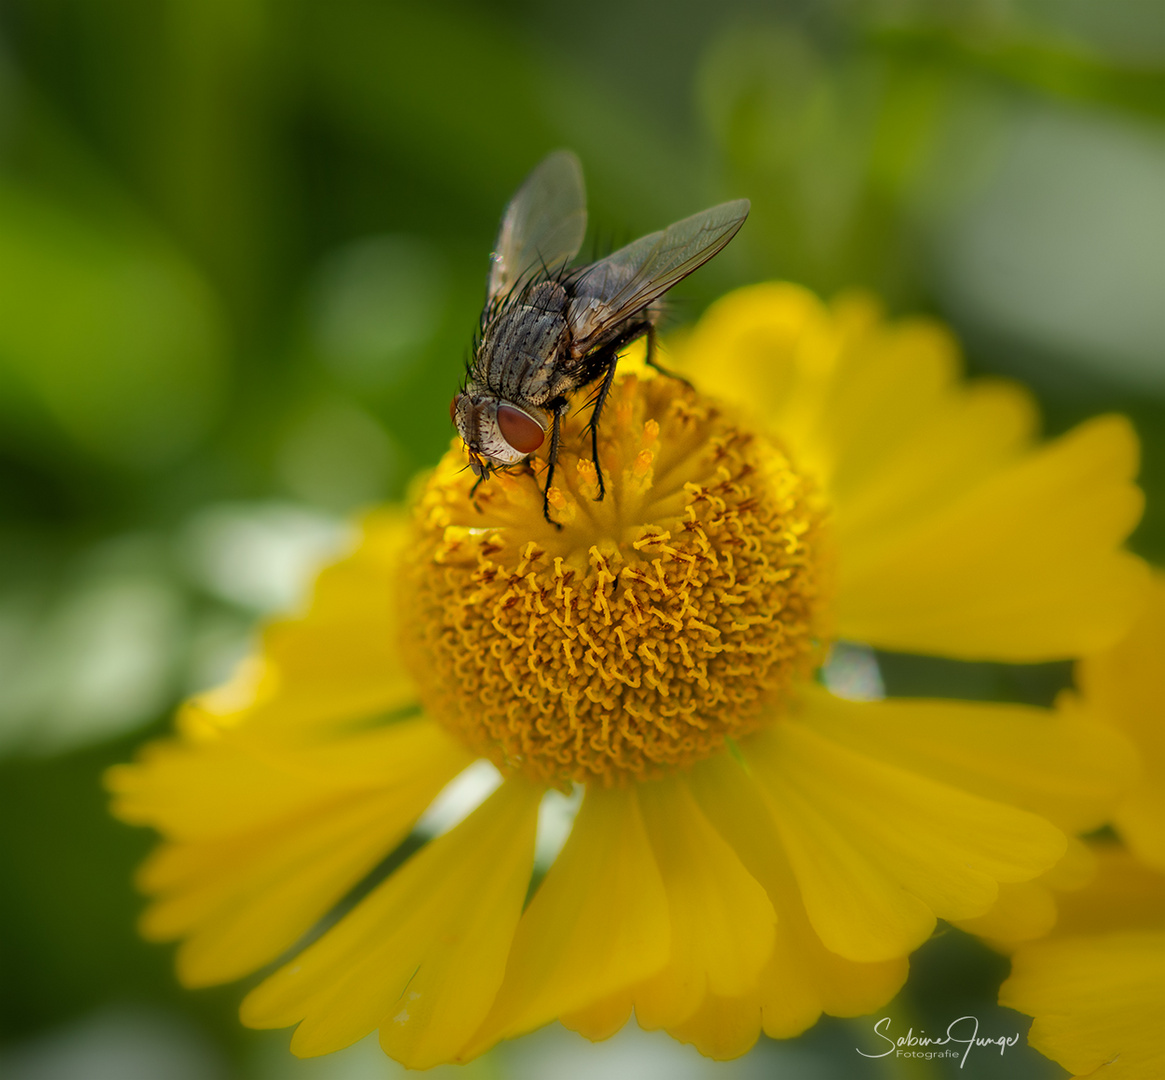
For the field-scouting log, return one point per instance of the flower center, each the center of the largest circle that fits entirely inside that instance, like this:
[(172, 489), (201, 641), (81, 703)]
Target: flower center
[(651, 627)]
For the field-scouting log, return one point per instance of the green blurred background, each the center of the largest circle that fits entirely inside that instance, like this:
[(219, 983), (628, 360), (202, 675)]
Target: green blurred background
[(242, 253)]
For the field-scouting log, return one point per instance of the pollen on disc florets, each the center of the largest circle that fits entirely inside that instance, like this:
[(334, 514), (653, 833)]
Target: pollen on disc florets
[(651, 627)]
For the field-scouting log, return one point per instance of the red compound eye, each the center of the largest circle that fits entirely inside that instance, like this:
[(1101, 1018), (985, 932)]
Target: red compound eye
[(453, 407), (520, 431)]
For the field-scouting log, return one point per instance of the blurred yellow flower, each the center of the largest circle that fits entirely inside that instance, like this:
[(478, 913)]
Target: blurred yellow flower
[(1096, 987), (750, 851), (1125, 686)]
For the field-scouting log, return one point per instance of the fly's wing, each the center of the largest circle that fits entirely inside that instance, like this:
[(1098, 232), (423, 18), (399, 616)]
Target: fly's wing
[(631, 278), (543, 226)]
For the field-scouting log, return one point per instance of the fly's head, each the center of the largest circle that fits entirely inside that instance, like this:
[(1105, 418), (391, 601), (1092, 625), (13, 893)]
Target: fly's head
[(496, 432)]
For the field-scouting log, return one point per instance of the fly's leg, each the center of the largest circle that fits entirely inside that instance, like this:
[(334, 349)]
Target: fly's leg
[(653, 363), (473, 490), (596, 412), (552, 460)]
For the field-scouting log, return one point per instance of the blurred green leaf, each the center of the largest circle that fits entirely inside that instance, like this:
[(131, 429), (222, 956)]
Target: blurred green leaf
[(1056, 69), (106, 329)]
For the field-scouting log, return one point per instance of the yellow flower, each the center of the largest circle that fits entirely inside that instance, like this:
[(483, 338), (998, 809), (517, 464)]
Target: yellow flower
[(1125, 686), (750, 850), (1096, 987)]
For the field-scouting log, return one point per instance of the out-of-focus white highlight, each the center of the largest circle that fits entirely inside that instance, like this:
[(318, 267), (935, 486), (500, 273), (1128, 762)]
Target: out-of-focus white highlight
[(118, 1043), (555, 819), (459, 798), (852, 672), (94, 658), (260, 556)]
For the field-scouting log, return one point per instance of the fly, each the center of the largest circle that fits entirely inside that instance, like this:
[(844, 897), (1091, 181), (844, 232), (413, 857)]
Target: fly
[(548, 330)]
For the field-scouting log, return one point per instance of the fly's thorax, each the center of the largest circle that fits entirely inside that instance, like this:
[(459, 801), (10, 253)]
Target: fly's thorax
[(500, 431), (523, 345)]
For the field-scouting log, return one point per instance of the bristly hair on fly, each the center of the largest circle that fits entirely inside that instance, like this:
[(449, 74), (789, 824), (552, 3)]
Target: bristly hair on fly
[(549, 328)]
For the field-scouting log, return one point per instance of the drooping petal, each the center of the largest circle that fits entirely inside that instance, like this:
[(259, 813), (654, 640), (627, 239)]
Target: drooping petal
[(597, 925), (956, 535), (195, 790), (1075, 870), (1124, 894), (601, 1019), (966, 434), (1024, 566), (1059, 764), (802, 978), (1125, 687), (339, 662), (1056, 763), (771, 350), (1096, 1002), (721, 920), (188, 789), (421, 956), (240, 903), (880, 851), (242, 897), (722, 1028), (876, 409), (1025, 910), (1141, 821), (1096, 984)]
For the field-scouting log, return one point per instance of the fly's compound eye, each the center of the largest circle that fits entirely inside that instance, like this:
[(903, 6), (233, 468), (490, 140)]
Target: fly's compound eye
[(453, 408), (523, 433)]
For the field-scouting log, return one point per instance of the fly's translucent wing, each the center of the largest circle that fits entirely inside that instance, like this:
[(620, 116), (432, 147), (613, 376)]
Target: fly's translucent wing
[(631, 278), (544, 224)]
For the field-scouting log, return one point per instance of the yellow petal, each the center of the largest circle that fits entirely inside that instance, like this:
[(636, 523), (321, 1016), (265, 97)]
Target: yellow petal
[(964, 435), (1024, 910), (597, 924), (247, 902), (1027, 910), (1140, 820), (1059, 764), (876, 409), (1096, 1002), (880, 851), (888, 383), (722, 1028), (838, 386), (338, 662), (1022, 567), (601, 1019), (769, 349), (721, 920), (802, 978), (242, 899), (234, 782), (422, 956), (1125, 686), (956, 537), (242, 743), (1075, 870), (1125, 894)]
